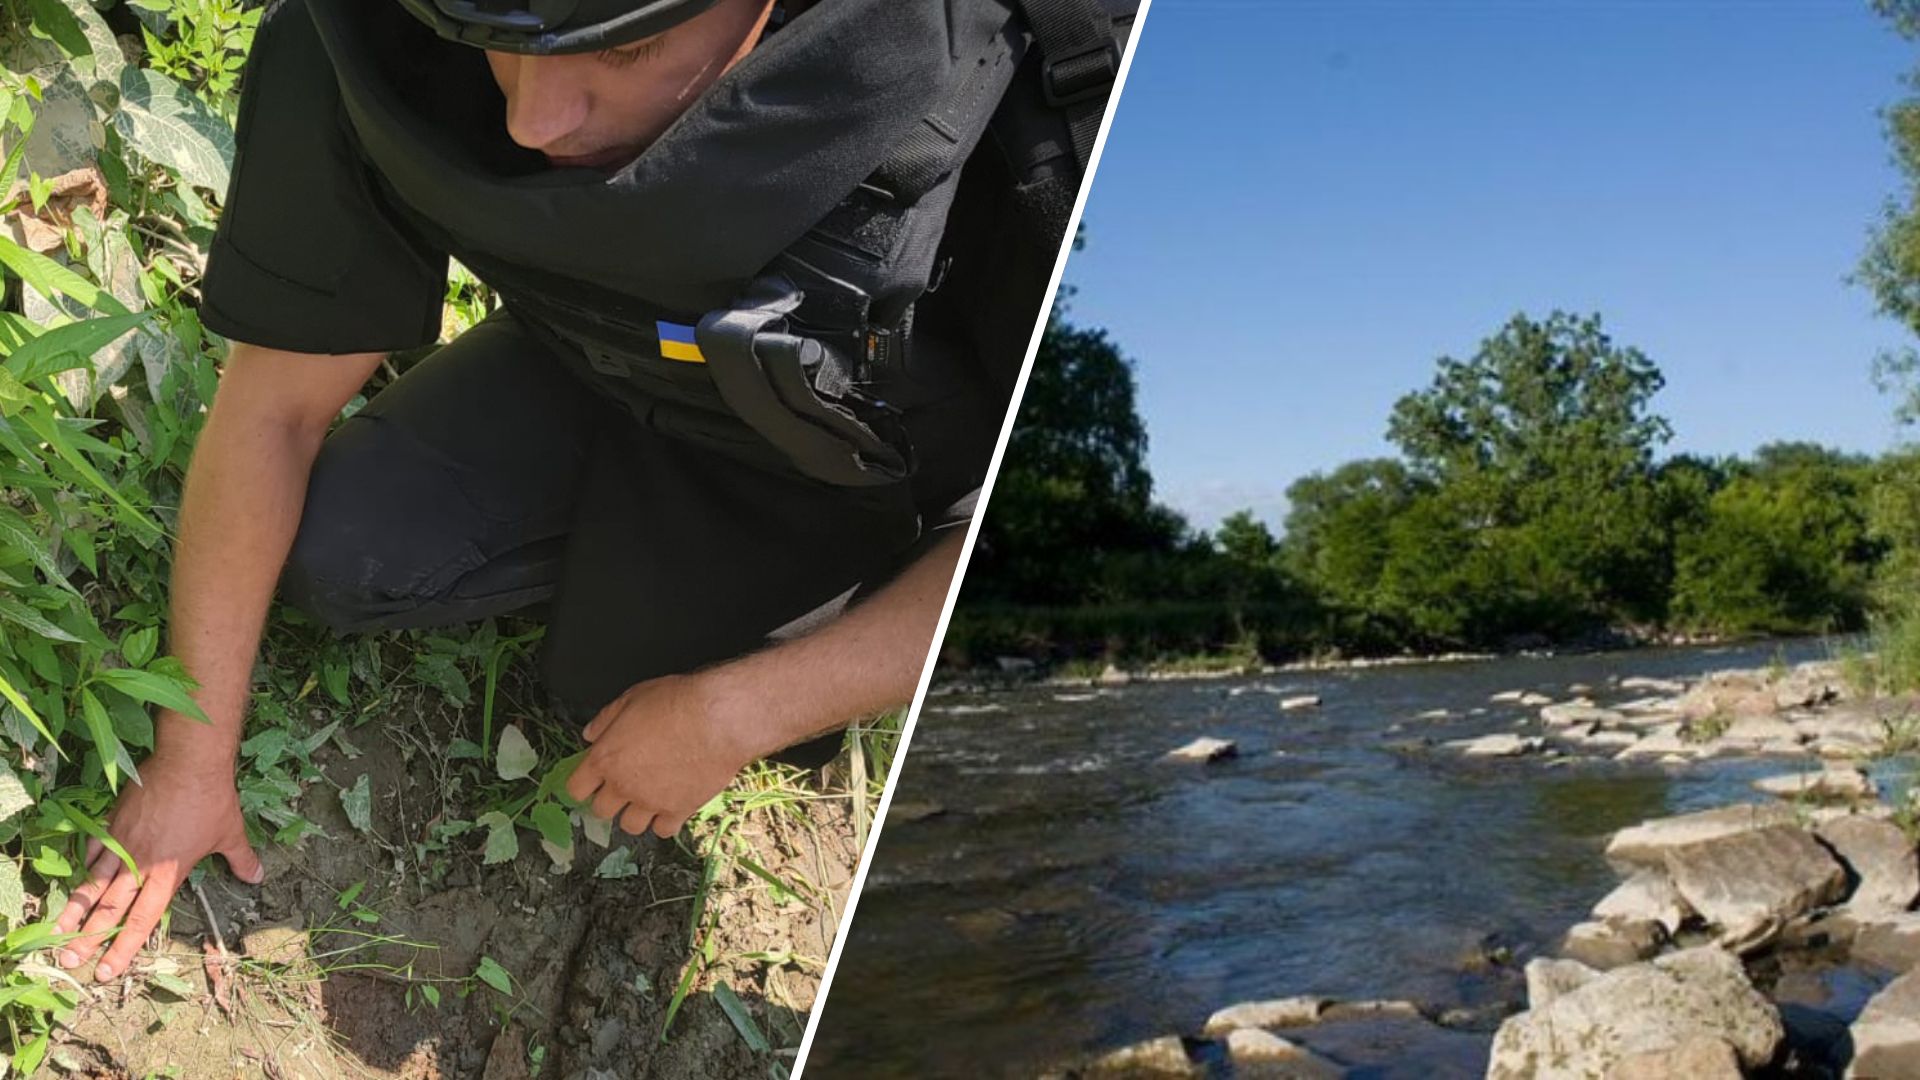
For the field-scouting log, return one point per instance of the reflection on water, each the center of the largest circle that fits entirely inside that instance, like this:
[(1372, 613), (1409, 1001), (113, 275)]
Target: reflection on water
[(1077, 894)]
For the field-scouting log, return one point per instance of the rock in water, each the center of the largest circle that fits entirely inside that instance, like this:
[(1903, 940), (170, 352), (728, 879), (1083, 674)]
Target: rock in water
[(1572, 713), (1647, 895), (1751, 883), (1647, 843), (1832, 784), (1502, 745), (1644, 1008), (1204, 749), (1113, 676), (1891, 941), (1267, 1056), (1165, 1056), (1277, 1013), (1612, 943), (1882, 857), (1302, 701), (1886, 1037)]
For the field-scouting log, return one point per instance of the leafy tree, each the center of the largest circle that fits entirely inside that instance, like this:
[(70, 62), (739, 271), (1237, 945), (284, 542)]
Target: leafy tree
[(1337, 527)]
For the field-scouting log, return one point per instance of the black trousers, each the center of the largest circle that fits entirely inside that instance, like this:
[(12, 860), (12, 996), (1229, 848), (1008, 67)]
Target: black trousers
[(487, 479)]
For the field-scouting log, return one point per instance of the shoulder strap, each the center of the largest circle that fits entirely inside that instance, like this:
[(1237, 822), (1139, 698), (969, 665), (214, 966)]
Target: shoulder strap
[(1080, 62)]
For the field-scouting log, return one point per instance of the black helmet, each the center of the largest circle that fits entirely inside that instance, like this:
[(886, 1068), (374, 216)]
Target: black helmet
[(545, 27)]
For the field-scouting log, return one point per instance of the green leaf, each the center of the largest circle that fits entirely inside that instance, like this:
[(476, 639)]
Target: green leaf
[(52, 280), (503, 843), (64, 348), (13, 894), (51, 864), (15, 699), (154, 688), (139, 646), (51, 429), (431, 993), (13, 794), (14, 611), (491, 973), (18, 534), (554, 823), (357, 801), (169, 125), (617, 864), (516, 757), (53, 19), (113, 755), (736, 1011)]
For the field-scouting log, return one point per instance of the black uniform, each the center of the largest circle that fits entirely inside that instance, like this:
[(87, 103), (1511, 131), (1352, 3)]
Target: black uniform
[(499, 472)]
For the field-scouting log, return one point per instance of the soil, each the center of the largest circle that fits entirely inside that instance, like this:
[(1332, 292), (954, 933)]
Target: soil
[(594, 963)]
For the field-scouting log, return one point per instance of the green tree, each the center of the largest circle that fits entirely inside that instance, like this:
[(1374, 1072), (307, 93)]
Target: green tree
[(1338, 523)]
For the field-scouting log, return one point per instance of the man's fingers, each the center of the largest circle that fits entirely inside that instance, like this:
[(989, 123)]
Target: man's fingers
[(665, 827), (585, 778), (599, 723), (94, 850), (101, 873), (635, 820), (106, 914), (243, 860), (607, 804), (145, 914)]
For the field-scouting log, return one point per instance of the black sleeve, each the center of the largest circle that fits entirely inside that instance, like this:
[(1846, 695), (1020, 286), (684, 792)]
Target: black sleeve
[(307, 256)]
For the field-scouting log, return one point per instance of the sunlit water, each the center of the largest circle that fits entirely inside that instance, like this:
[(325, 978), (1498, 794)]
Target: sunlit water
[(1077, 895)]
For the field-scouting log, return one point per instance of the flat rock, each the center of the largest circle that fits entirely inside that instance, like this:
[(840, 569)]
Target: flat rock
[(1533, 700), (1276, 1013), (1607, 739), (1663, 744), (1760, 731), (1704, 1058), (1165, 1056), (1337, 1011), (1749, 884), (1504, 744), (1886, 1036), (1300, 701), (1575, 713), (1833, 784), (1507, 697), (1605, 944), (1548, 978), (1881, 857), (1257, 1053), (1653, 686), (1648, 895), (1203, 749), (1648, 842), (1891, 942), (1646, 1008)]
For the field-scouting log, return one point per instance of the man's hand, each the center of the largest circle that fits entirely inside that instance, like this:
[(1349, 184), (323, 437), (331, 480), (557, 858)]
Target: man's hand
[(184, 811), (660, 751)]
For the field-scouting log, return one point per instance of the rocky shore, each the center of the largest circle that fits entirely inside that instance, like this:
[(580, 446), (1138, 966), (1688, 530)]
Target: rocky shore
[(1773, 937)]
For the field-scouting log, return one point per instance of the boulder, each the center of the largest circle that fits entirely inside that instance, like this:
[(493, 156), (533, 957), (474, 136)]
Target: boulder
[(1605, 944), (1277, 1013), (1262, 1054), (1759, 731), (1707, 1058), (1648, 842), (1165, 1056), (1648, 895), (1749, 884), (1886, 1035), (1645, 1008), (1891, 941), (1504, 744), (1571, 713), (1662, 744), (1611, 739), (1301, 701), (1831, 784), (1882, 860), (1653, 686), (1203, 749), (1729, 693), (1548, 978)]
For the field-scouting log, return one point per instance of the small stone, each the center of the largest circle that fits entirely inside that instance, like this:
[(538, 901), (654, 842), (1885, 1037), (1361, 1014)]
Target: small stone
[(1203, 749), (1165, 1056), (1302, 701), (1504, 744)]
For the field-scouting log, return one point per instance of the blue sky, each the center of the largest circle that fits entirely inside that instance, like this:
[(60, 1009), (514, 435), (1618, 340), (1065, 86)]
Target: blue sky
[(1304, 204)]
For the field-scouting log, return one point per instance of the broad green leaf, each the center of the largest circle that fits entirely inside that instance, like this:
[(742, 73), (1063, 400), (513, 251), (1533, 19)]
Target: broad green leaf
[(503, 843), (554, 823), (139, 646), (154, 688), (491, 973), (66, 347), (13, 611), (51, 280), (13, 394), (13, 794), (52, 18), (357, 801), (597, 829), (51, 864), (516, 757), (169, 125), (13, 895), (618, 864)]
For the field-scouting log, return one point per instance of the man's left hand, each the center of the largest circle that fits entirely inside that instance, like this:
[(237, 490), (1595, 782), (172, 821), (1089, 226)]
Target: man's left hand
[(660, 751)]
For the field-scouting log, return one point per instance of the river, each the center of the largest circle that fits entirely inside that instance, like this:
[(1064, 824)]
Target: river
[(1075, 895)]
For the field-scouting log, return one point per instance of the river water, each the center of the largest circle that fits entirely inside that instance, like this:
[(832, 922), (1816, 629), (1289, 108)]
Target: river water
[(1075, 895)]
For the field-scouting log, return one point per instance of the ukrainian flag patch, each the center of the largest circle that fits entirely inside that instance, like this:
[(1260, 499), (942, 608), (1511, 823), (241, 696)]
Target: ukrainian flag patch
[(677, 343)]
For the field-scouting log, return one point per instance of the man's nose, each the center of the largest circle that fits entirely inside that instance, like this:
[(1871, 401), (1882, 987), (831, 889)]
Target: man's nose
[(547, 101)]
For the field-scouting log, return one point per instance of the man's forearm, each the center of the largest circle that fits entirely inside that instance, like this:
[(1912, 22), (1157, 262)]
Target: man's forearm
[(867, 660), (237, 521)]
